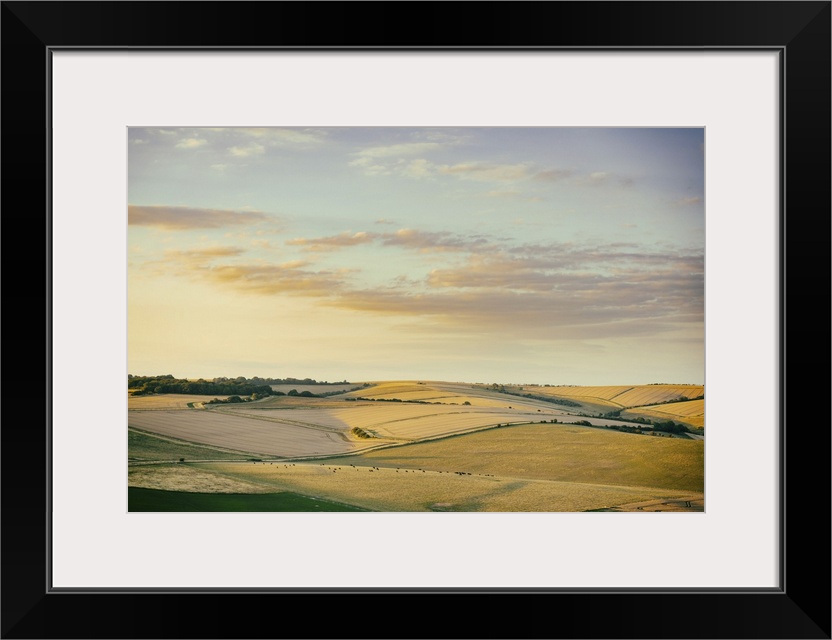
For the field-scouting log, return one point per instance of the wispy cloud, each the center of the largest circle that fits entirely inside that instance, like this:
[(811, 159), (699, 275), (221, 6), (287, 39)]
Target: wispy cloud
[(687, 202), (430, 241), (330, 243), (199, 256), (422, 241), (182, 218), (554, 175), (511, 194), (263, 278), (485, 172), (398, 160), (191, 143), (398, 150), (244, 151), (295, 138)]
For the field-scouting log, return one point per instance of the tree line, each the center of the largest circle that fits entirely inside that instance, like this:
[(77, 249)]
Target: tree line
[(144, 385)]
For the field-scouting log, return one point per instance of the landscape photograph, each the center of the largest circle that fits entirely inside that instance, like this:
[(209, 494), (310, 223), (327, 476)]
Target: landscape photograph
[(416, 319)]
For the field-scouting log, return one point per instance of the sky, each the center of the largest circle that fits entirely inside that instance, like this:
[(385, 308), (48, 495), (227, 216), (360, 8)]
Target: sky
[(527, 255)]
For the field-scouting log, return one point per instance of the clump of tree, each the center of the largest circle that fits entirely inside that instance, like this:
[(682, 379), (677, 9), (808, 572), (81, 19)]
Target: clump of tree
[(302, 394), (229, 400), (668, 426), (358, 432)]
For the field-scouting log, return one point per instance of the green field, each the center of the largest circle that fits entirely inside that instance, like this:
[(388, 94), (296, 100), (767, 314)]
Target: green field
[(143, 446), (141, 499)]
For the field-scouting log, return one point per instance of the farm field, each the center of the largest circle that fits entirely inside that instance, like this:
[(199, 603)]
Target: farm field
[(166, 401), (244, 433), (690, 413), (391, 489), (539, 467), (615, 397), (419, 447), (560, 452), (446, 393), (146, 446), (309, 432), (399, 421)]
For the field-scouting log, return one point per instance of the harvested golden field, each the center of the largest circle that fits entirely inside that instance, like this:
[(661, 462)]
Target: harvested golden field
[(595, 393), (622, 396), (390, 489), (691, 408), (690, 413), (166, 401), (567, 453), (292, 402), (401, 389), (654, 393), (447, 393)]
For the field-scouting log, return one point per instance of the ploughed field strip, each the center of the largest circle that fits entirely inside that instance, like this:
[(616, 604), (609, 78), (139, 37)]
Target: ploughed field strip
[(242, 433)]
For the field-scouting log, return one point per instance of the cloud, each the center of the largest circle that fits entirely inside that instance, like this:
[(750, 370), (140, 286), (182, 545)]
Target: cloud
[(244, 151), (430, 241), (398, 150), (182, 218), (486, 172), (296, 138), (330, 243), (555, 290), (553, 175), (261, 278), (192, 256), (422, 241), (419, 168), (686, 202), (398, 158), (191, 143), (394, 160), (511, 194)]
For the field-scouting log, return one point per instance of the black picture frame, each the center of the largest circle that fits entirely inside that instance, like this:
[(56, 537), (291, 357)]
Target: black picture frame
[(799, 608)]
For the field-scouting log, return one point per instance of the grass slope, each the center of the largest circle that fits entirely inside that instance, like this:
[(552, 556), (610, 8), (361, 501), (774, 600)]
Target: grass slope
[(143, 446), (140, 499)]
